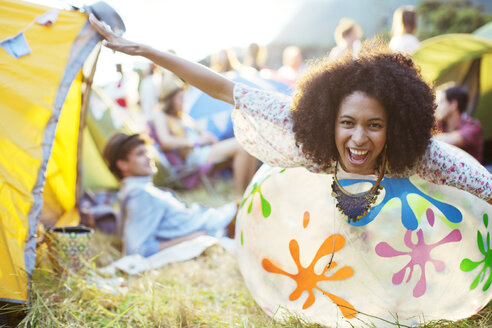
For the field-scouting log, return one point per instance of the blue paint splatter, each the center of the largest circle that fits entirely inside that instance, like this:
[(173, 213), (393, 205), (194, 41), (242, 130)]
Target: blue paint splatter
[(401, 188)]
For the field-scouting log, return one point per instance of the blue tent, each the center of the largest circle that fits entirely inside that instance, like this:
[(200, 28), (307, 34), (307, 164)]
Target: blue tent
[(215, 115)]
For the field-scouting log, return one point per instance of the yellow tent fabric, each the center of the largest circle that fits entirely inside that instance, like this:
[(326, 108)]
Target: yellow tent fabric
[(33, 90), (59, 190)]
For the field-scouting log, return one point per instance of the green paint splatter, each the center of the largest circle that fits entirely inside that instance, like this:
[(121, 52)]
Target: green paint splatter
[(242, 239), (266, 208), (484, 247)]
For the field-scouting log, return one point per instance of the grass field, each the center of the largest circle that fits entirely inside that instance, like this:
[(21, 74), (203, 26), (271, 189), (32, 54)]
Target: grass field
[(204, 292)]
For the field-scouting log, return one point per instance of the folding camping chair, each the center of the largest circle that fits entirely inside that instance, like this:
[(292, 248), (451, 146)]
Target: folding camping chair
[(176, 173)]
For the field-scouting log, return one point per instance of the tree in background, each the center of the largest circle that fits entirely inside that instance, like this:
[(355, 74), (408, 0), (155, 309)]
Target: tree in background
[(456, 16)]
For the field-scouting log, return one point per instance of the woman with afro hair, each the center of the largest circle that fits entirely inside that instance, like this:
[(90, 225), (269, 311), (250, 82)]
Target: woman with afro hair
[(350, 113)]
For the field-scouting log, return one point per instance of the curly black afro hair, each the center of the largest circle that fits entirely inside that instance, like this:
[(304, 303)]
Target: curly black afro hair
[(391, 78)]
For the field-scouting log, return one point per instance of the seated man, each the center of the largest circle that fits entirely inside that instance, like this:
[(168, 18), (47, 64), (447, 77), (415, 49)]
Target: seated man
[(455, 126), (153, 218)]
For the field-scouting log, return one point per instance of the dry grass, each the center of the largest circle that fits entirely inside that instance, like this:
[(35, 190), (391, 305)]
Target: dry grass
[(204, 292)]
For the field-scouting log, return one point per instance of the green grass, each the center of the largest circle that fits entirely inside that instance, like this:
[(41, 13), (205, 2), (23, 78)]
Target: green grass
[(204, 292)]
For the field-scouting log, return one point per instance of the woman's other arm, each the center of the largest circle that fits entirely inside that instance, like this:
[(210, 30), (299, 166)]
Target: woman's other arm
[(445, 164)]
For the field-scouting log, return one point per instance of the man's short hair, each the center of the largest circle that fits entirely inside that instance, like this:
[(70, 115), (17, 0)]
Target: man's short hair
[(118, 147), (460, 95)]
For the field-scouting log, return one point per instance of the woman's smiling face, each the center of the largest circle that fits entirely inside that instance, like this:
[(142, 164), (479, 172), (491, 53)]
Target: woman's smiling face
[(360, 132)]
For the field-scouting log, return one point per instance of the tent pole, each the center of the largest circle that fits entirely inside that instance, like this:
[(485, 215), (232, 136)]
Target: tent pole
[(83, 111)]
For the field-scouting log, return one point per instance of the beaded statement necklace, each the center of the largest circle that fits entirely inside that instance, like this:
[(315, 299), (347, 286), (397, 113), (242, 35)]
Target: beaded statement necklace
[(356, 206)]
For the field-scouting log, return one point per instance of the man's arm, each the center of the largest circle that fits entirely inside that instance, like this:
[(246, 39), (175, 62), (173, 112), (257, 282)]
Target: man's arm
[(453, 138)]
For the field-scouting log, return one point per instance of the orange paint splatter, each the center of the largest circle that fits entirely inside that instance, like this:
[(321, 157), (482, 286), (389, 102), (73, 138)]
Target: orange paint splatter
[(307, 279), (305, 219)]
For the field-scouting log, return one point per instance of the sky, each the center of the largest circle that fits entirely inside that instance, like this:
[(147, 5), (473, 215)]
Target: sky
[(193, 28)]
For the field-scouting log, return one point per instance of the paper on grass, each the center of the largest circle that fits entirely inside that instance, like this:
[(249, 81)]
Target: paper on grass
[(133, 264)]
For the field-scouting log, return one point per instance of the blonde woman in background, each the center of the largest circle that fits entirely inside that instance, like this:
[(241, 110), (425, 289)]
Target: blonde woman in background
[(176, 131), (347, 36), (292, 65), (404, 27), (224, 61)]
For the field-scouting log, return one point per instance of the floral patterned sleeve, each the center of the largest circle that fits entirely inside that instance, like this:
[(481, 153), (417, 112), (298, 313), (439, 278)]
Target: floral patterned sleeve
[(446, 164), (263, 126)]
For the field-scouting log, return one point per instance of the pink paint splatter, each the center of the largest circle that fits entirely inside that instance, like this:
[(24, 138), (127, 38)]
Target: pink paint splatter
[(419, 253)]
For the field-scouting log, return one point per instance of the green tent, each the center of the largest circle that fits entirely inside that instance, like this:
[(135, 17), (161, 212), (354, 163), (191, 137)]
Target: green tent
[(465, 59), (484, 31), (103, 118)]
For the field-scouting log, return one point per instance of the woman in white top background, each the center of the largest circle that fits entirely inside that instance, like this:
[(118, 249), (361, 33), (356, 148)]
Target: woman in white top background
[(403, 30)]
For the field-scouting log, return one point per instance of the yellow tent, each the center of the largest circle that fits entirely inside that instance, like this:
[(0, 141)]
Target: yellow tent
[(41, 57)]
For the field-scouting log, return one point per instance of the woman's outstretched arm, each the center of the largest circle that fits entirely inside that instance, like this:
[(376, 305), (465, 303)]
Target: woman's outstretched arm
[(448, 165), (203, 78)]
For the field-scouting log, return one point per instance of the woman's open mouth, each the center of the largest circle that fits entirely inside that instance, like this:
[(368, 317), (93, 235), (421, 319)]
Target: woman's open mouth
[(357, 156)]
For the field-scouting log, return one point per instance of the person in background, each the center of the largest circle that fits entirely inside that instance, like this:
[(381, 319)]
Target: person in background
[(403, 30), (454, 124), (224, 61), (347, 36), (123, 88), (149, 91), (120, 87), (153, 218), (254, 64), (292, 66), (176, 131), (255, 57)]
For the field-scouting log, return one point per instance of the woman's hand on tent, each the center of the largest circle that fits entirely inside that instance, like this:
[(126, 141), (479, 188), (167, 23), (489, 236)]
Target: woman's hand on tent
[(113, 40)]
